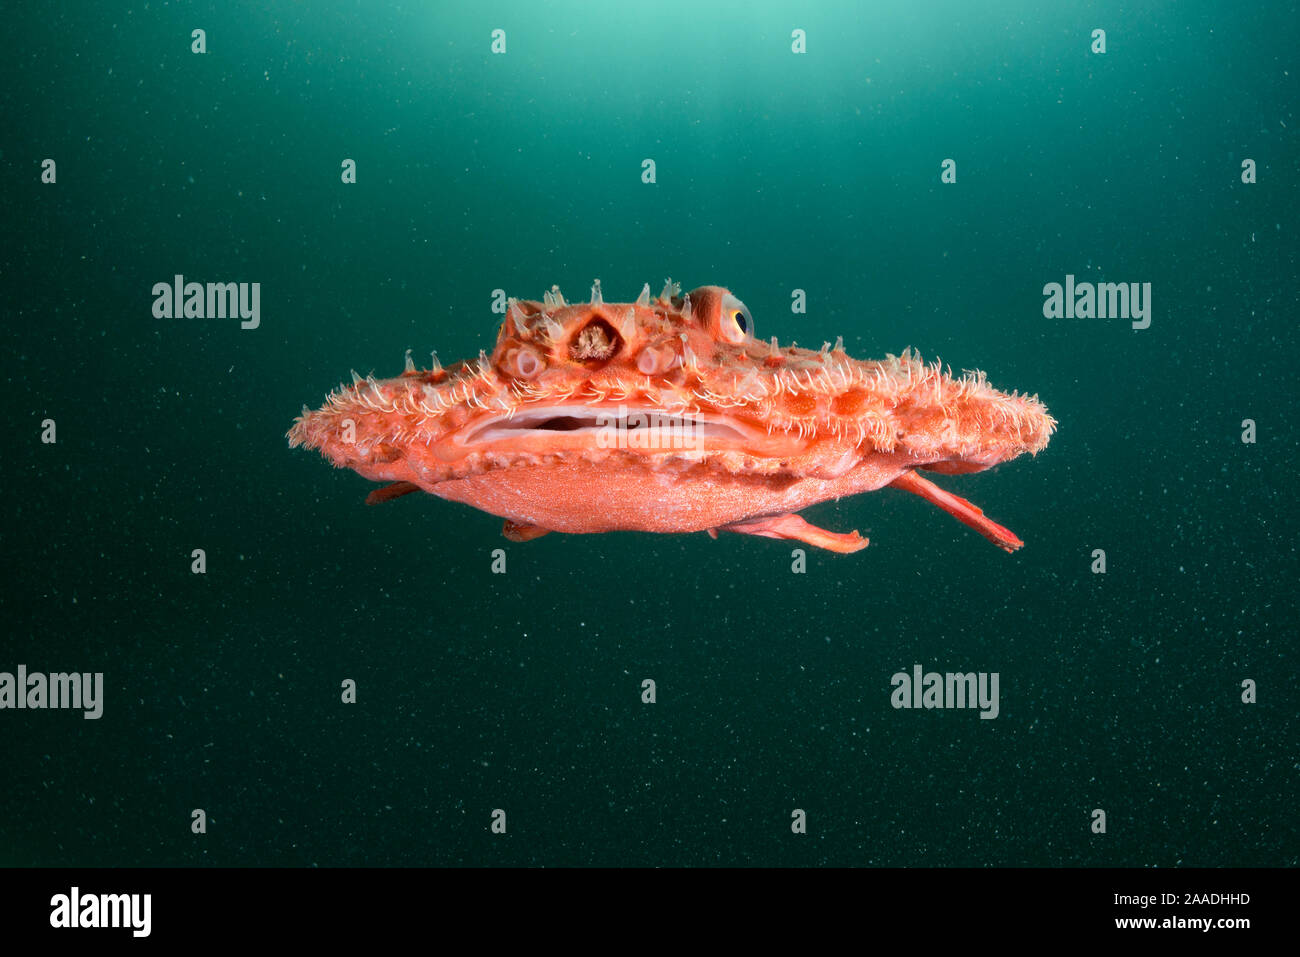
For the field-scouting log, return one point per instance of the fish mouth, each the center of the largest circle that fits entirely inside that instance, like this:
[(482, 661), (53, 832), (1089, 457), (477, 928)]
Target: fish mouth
[(569, 427), (648, 431)]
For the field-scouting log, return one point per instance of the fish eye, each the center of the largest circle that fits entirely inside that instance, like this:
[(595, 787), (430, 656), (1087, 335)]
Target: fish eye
[(736, 311)]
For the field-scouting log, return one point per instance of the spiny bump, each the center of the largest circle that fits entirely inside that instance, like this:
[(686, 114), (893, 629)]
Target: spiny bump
[(627, 325), (551, 329)]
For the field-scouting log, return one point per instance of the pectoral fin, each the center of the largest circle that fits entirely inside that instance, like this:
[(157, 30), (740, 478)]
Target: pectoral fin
[(960, 509), (791, 526), (522, 531), (390, 492)]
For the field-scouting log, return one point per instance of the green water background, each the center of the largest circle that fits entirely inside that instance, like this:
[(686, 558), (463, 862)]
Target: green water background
[(522, 691)]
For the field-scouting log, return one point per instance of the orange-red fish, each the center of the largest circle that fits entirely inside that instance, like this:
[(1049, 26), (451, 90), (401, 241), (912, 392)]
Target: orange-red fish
[(668, 415)]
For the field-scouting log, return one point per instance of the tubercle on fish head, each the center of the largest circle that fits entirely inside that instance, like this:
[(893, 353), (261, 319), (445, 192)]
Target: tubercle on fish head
[(650, 338)]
